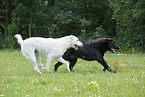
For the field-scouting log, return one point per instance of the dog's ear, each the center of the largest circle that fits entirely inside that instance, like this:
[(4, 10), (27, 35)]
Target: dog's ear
[(98, 41), (101, 41), (71, 37), (108, 39)]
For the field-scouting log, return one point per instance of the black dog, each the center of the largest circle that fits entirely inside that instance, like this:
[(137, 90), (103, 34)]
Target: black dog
[(91, 50)]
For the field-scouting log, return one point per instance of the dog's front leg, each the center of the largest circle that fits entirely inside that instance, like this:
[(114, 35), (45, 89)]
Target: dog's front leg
[(64, 62), (109, 69), (49, 59), (105, 65)]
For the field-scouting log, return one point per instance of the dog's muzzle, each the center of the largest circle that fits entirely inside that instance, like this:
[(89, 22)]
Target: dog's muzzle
[(79, 44), (76, 47), (113, 49)]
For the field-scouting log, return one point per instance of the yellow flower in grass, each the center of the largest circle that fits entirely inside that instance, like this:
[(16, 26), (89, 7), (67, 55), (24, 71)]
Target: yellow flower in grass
[(93, 84)]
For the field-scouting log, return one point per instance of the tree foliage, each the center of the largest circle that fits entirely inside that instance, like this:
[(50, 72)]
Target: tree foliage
[(130, 20), (30, 14), (122, 20)]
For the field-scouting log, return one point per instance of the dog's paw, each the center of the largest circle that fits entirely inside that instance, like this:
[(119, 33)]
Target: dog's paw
[(41, 67), (40, 72), (104, 69), (114, 71), (48, 71)]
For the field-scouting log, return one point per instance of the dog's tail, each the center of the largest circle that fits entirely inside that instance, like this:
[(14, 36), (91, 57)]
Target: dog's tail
[(19, 38)]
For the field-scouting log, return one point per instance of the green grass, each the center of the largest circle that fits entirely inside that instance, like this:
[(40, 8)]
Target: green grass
[(18, 78)]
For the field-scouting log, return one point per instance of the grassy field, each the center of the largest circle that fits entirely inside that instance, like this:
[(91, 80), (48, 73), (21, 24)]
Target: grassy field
[(18, 78)]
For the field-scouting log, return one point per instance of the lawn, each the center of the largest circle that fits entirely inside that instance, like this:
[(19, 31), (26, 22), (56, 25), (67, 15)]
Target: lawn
[(18, 78)]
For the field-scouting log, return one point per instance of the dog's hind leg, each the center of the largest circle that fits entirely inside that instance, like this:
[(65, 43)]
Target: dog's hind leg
[(38, 58), (33, 60), (57, 65), (65, 62), (29, 54)]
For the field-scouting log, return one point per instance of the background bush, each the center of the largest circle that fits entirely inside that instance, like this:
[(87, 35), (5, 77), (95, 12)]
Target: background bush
[(122, 20)]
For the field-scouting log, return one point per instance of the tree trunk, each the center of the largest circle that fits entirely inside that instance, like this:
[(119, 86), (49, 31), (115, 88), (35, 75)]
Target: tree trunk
[(8, 14), (83, 33), (142, 42), (30, 27), (51, 3), (3, 25)]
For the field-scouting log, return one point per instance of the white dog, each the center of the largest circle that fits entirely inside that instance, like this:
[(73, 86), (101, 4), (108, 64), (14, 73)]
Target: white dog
[(50, 48)]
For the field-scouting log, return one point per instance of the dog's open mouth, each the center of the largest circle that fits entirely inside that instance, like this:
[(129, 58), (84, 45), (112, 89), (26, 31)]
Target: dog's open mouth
[(76, 47), (112, 50)]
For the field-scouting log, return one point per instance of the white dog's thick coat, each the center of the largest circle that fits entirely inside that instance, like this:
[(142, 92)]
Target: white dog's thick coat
[(50, 48)]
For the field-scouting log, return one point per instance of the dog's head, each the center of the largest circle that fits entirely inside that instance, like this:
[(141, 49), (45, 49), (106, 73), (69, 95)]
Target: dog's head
[(75, 43), (112, 45), (106, 44)]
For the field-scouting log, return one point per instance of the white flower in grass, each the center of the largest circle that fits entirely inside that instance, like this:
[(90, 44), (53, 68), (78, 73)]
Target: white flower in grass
[(56, 89), (75, 90), (16, 92)]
